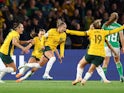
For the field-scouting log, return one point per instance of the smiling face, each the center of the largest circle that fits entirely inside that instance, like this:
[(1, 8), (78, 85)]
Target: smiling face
[(41, 33), (97, 24), (20, 28)]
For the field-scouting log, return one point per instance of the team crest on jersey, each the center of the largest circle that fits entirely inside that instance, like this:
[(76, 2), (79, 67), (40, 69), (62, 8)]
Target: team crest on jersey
[(61, 40)]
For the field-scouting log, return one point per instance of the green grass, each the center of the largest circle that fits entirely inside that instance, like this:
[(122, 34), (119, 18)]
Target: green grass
[(34, 86)]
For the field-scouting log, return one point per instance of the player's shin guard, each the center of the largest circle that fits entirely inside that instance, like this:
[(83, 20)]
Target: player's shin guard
[(101, 72), (37, 65), (49, 65), (104, 70), (79, 72), (23, 70), (28, 74), (87, 76), (119, 68), (2, 75), (7, 69)]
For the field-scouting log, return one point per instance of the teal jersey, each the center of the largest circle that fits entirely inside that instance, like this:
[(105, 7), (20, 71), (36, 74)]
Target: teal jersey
[(113, 38)]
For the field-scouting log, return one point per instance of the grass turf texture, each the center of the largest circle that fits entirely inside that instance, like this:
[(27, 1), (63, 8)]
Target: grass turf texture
[(34, 86)]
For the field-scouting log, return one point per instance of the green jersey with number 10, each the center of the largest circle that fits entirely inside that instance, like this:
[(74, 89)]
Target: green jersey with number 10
[(113, 38)]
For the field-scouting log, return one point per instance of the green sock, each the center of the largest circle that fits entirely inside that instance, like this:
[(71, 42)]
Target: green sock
[(104, 69), (119, 68)]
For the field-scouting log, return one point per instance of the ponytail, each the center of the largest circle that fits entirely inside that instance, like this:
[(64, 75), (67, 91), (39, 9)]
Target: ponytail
[(113, 17)]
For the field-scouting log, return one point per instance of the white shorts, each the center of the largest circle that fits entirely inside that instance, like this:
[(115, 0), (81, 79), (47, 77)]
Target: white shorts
[(110, 53)]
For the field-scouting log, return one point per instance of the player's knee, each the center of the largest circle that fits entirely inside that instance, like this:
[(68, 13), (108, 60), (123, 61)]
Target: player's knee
[(15, 69), (53, 58), (116, 59)]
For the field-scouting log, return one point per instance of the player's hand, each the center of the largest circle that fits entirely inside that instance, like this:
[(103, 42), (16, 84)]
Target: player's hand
[(60, 59), (122, 49), (30, 41), (43, 48), (25, 50)]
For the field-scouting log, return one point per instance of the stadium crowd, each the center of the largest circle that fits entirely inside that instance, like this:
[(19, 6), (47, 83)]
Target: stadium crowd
[(37, 14)]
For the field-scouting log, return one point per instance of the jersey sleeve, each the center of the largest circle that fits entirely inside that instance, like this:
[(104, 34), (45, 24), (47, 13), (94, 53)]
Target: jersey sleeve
[(88, 32), (75, 32), (116, 30), (15, 35), (62, 47)]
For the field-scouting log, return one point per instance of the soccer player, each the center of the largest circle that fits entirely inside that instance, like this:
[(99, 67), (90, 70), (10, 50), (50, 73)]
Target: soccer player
[(50, 41), (114, 41), (7, 49), (36, 55), (96, 51)]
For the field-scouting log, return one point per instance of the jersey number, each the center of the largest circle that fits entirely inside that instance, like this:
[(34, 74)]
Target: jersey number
[(98, 38), (113, 37)]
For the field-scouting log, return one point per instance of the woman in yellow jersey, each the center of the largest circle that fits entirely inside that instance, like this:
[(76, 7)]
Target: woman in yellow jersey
[(96, 52), (7, 49), (36, 55), (50, 41)]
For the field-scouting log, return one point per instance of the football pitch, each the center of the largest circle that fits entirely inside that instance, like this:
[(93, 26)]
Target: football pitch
[(41, 86)]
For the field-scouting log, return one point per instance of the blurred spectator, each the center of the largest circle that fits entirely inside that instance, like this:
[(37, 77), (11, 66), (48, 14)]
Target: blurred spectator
[(122, 19), (91, 5), (47, 6), (104, 3), (114, 8), (8, 16), (105, 17), (76, 17), (99, 13), (31, 7), (68, 43), (52, 18), (39, 4), (88, 19), (2, 26), (68, 5), (35, 24), (81, 6), (42, 20), (78, 14), (21, 15), (76, 40)]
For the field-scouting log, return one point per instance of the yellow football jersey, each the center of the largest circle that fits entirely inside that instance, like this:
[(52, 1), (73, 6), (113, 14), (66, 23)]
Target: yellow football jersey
[(97, 39), (54, 39), (37, 52), (7, 47)]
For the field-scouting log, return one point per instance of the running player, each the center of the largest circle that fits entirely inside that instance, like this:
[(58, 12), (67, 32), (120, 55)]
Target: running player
[(96, 52), (7, 49), (36, 55), (55, 37)]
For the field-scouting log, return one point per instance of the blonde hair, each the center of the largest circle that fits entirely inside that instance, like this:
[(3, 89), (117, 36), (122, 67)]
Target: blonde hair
[(96, 24), (60, 22), (113, 17)]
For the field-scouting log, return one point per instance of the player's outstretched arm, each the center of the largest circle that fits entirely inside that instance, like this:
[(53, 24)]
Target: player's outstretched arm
[(116, 30), (77, 33)]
